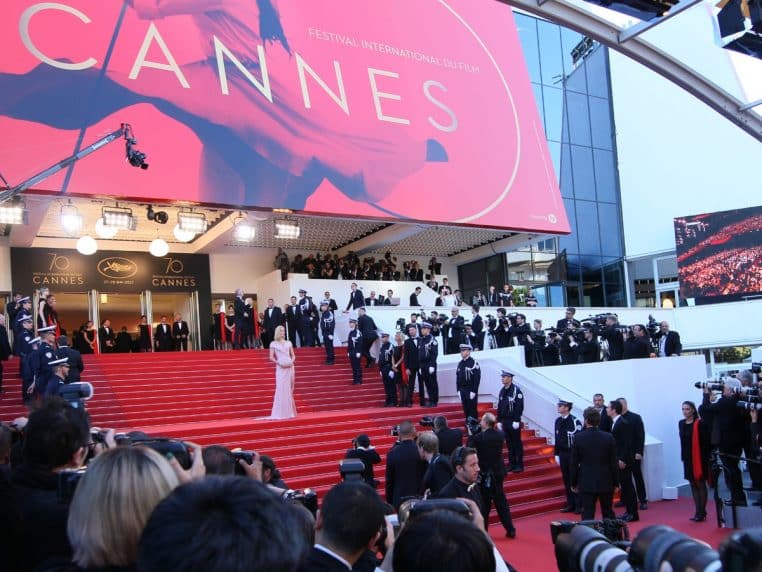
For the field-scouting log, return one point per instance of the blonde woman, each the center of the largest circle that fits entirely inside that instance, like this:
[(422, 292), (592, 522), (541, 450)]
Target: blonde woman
[(112, 504), (282, 355)]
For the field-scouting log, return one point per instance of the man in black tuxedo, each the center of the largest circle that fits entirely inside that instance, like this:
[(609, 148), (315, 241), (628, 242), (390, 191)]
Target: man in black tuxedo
[(373, 300), (241, 311), (477, 325), (349, 523), (613, 336), (163, 336), (389, 296), (356, 299), (363, 450), (465, 465), (489, 448), (639, 442), (180, 333), (404, 468), (668, 342), (568, 353), (449, 438), (76, 366), (331, 302), (106, 337), (625, 453), (414, 297), (293, 320), (369, 332), (594, 469), (273, 317), (438, 468), (599, 403), (455, 331)]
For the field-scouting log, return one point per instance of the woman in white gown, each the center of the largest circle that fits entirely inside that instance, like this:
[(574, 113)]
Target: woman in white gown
[(282, 355)]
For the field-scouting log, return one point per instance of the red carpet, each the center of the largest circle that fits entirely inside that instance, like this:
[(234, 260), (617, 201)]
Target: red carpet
[(532, 549), (216, 398)]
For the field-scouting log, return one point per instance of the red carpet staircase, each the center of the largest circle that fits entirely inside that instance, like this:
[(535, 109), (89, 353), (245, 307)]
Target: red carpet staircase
[(216, 398)]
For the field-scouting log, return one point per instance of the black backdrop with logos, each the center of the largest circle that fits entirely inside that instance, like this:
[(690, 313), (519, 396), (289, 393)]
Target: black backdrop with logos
[(114, 272)]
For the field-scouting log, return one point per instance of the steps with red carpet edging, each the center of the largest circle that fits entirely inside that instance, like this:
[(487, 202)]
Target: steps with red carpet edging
[(223, 398)]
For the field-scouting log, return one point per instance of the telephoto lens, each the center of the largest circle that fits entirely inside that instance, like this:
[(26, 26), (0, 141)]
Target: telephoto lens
[(659, 546), (584, 549)]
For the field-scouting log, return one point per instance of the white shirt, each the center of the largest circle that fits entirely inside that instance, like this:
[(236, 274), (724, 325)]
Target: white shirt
[(334, 555)]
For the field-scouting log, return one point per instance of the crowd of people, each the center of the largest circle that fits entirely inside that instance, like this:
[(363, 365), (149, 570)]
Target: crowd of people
[(724, 273)]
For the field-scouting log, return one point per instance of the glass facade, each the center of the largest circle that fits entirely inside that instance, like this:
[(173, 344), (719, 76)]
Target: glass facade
[(573, 98)]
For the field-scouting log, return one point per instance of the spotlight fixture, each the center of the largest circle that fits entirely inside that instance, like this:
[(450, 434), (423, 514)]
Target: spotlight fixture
[(87, 245), (71, 220), (740, 26), (183, 235), (242, 230), (14, 213), (103, 230), (119, 218), (158, 247), (287, 229), (193, 222), (159, 217)]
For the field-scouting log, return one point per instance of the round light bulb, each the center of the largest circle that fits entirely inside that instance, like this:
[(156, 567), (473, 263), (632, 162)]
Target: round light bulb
[(87, 245), (159, 247), (183, 235), (104, 231)]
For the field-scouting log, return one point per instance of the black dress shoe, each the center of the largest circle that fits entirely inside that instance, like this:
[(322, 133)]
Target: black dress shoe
[(630, 518), (643, 505), (517, 469), (511, 533), (578, 511), (698, 518), (567, 509)]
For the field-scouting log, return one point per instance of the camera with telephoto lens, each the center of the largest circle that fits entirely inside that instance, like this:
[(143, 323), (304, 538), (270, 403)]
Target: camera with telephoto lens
[(75, 394), (418, 507), (166, 447), (748, 405), (711, 385), (473, 426), (401, 324), (305, 497)]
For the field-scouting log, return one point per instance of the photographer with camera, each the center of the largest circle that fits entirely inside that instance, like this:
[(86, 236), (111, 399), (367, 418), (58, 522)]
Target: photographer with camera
[(488, 444), (520, 331), (612, 335), (502, 329), (567, 325), (449, 438), (588, 350), (363, 450), (638, 344), (728, 434)]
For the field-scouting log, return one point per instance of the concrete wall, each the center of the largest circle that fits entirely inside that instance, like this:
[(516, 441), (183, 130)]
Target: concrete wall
[(5, 266)]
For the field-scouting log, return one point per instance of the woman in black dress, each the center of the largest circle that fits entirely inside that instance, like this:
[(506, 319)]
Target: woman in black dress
[(144, 335), (694, 452), (88, 338)]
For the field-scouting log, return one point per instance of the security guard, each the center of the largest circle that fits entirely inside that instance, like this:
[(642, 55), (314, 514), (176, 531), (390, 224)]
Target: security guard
[(510, 408), (385, 359), (467, 378), (306, 308), (428, 351), (327, 327), (354, 349), (25, 343), (40, 358), (566, 427), (59, 368)]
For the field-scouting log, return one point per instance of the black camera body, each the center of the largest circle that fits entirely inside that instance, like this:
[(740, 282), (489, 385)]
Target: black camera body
[(395, 431), (420, 507), (473, 426), (67, 484), (305, 497), (711, 385), (165, 447)]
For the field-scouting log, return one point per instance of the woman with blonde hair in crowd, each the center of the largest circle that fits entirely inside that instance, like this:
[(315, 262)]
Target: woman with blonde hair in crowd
[(112, 504)]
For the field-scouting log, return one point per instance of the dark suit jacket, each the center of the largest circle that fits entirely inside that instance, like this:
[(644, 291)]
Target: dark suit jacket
[(449, 440), (638, 431), (623, 435), (163, 337), (273, 321), (489, 449), (414, 299), (438, 474), (76, 366), (594, 466), (379, 301), (672, 346), (5, 346), (180, 329), (103, 337), (319, 561), (605, 421), (369, 457), (404, 472), (356, 300), (729, 426)]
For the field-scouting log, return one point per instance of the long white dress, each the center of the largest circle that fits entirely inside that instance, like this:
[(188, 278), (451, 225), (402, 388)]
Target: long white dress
[(283, 402)]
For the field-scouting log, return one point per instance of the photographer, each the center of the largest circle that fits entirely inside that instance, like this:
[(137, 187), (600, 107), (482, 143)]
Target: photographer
[(465, 464), (449, 438), (728, 434), (489, 449), (637, 345), (588, 350), (502, 329), (568, 325), (612, 334), (520, 332), (363, 450)]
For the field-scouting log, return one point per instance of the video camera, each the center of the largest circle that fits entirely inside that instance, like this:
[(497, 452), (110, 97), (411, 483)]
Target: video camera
[(473, 426), (75, 394), (161, 445), (400, 325), (749, 405)]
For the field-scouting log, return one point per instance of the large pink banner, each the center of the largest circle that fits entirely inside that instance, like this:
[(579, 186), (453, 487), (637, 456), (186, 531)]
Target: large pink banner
[(414, 110)]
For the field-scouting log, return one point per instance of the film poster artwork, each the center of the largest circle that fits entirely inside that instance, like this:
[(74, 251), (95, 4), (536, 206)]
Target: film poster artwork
[(719, 255), (388, 109)]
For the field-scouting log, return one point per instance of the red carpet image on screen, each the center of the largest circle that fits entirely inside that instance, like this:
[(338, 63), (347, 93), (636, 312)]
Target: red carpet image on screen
[(719, 255)]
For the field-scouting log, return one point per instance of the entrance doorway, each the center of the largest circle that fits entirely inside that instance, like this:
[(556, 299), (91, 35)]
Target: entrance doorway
[(73, 311), (169, 304)]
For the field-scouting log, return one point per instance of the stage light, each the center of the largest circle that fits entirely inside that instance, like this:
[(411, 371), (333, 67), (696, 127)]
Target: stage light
[(119, 218), (13, 214), (287, 229), (739, 23), (87, 245), (159, 247), (71, 220), (183, 235), (159, 217), (103, 230), (193, 222), (242, 230)]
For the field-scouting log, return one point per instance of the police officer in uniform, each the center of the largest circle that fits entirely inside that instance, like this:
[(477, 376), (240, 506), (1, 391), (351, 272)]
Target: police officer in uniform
[(510, 408), (327, 327), (385, 359), (25, 343), (410, 351), (59, 370), (566, 427), (468, 375), (428, 351), (306, 308), (354, 350), (40, 359)]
